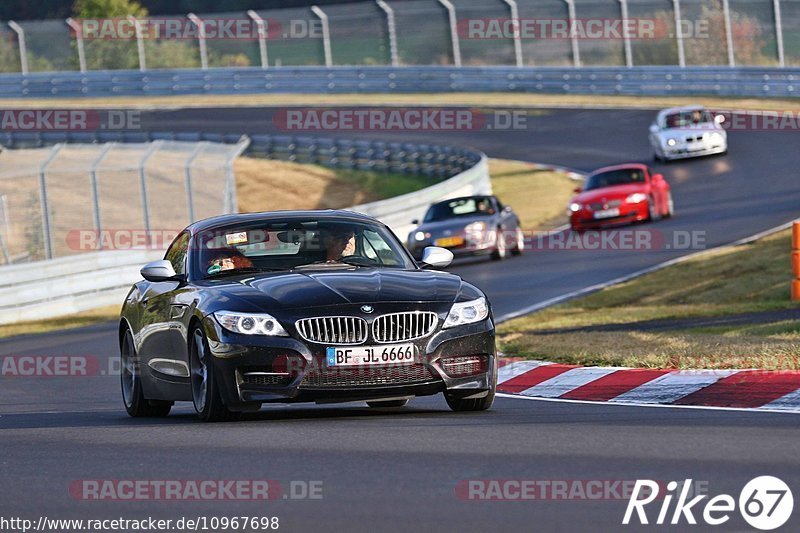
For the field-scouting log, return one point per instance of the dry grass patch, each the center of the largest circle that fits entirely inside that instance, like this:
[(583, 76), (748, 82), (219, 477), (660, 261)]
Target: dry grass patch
[(539, 197), (438, 99), (747, 279)]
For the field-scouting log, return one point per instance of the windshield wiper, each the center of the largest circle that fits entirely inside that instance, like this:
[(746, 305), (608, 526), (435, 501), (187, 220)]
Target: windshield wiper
[(245, 270)]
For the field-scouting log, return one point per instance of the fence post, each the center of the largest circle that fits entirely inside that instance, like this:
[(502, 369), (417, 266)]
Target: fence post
[(626, 38), (726, 12), (512, 5), (796, 260), (201, 39), (96, 190), (44, 203), (79, 41), (23, 47), (779, 31), (187, 170), (231, 203), (326, 35), (391, 29), (6, 228), (137, 28), (451, 16), (576, 50), (676, 7), (262, 37), (152, 149)]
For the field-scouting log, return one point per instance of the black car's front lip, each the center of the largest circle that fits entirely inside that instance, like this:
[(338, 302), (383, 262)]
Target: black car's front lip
[(234, 354)]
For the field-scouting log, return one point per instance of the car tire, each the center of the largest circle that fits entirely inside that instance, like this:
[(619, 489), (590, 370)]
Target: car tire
[(389, 403), (206, 397), (136, 404), (670, 206), (500, 251), (470, 404), (520, 245)]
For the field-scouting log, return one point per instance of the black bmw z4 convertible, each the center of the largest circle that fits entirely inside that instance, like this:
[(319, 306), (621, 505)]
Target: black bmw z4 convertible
[(301, 306)]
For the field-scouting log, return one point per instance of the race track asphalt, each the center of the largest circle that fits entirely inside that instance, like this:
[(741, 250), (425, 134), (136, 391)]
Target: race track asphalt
[(718, 199), (384, 470)]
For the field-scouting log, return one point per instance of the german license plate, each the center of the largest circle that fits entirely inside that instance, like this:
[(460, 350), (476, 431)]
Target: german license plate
[(446, 242), (606, 213), (370, 355)]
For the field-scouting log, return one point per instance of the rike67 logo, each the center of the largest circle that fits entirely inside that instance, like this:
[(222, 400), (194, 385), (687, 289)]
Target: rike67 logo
[(765, 503)]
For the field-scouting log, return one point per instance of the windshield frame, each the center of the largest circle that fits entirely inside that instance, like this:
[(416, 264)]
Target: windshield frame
[(196, 273), (645, 179), (475, 213)]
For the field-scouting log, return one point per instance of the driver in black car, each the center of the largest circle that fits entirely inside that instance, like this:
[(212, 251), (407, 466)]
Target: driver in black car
[(339, 243)]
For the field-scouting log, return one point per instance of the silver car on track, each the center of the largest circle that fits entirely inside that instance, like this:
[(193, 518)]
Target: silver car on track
[(691, 131)]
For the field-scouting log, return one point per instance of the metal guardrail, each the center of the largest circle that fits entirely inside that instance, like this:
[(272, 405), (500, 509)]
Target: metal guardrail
[(43, 289), (721, 81), (437, 161), (32, 291)]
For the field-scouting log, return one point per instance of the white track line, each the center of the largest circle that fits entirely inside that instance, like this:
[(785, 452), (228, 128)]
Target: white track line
[(659, 405), (569, 380)]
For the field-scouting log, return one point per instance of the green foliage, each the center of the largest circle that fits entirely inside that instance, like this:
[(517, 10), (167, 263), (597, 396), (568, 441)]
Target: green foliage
[(88, 9)]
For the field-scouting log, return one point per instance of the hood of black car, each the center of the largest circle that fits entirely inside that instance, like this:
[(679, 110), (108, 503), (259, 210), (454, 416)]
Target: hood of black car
[(343, 286)]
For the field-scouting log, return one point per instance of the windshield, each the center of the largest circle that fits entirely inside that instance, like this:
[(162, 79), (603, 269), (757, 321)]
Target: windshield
[(479, 205), (614, 177), (281, 245), (688, 119)]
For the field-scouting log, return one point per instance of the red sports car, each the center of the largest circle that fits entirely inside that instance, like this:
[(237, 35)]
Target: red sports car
[(620, 194)]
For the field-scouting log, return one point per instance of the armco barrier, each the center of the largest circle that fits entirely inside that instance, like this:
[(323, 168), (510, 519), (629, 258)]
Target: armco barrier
[(662, 80), (44, 289), (33, 291)]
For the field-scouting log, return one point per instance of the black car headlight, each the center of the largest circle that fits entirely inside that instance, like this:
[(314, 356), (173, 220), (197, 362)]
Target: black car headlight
[(463, 313), (250, 323)]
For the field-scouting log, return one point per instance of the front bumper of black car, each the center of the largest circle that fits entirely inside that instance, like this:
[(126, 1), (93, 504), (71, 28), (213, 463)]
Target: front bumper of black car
[(252, 370)]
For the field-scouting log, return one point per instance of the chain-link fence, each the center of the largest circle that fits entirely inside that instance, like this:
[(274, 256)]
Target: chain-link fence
[(74, 198), (422, 32)]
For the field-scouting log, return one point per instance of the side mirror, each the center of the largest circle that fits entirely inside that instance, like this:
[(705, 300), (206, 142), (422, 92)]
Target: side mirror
[(436, 257), (160, 270), (719, 119), (415, 222), (653, 128), (658, 177), (507, 209)]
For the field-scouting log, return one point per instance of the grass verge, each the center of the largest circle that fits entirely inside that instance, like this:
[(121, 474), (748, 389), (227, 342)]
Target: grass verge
[(499, 99), (538, 196), (741, 288), (268, 185)]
